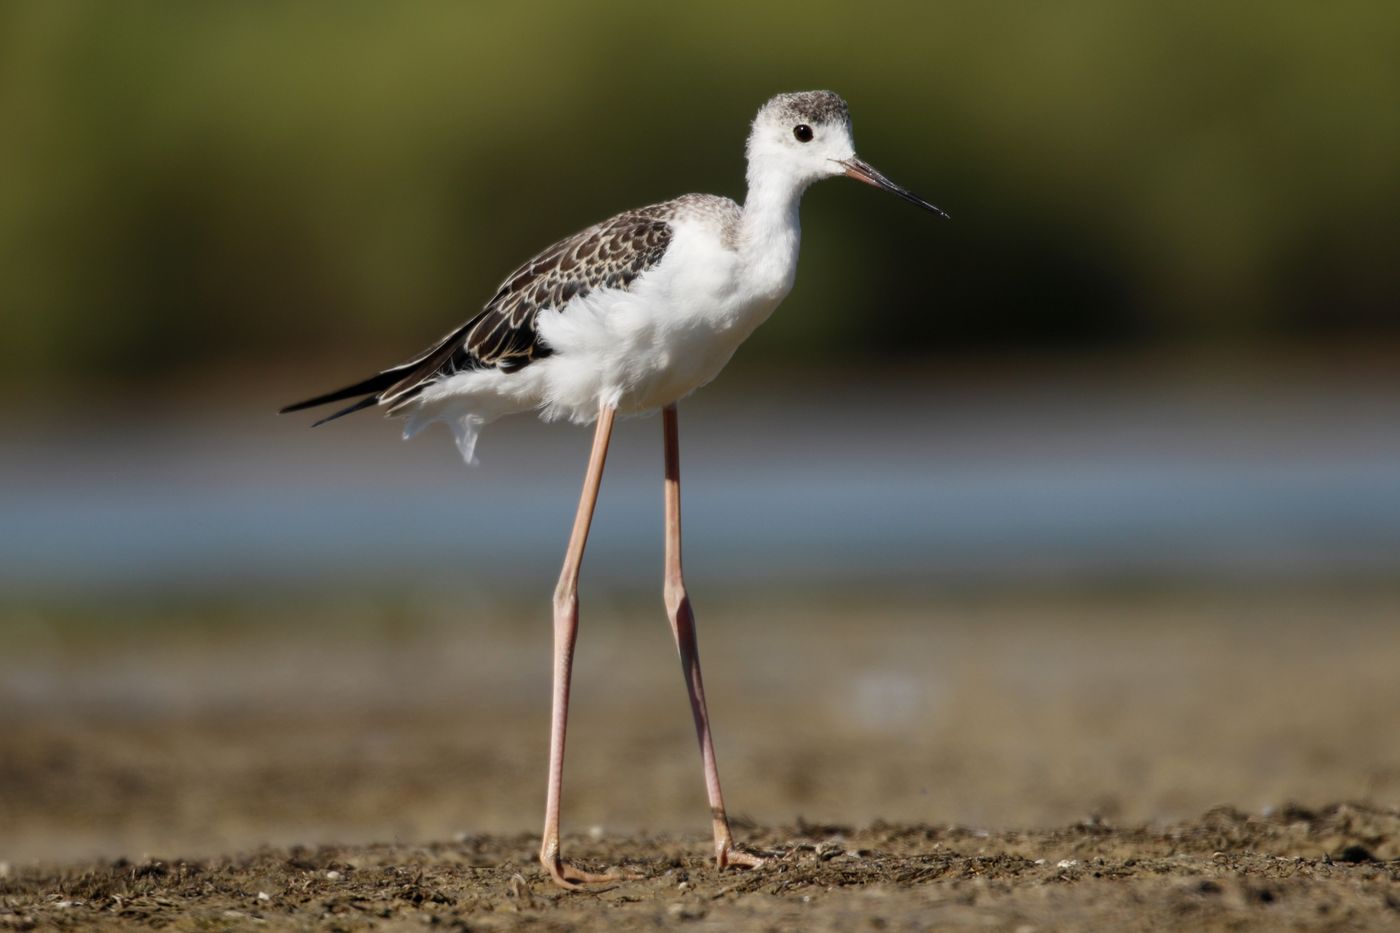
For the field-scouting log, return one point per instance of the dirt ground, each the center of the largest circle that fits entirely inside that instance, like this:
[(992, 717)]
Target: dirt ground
[(1042, 761), (1224, 870)]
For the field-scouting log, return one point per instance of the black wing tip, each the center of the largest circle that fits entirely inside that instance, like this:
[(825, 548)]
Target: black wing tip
[(363, 403), (374, 386), (297, 406), (339, 395)]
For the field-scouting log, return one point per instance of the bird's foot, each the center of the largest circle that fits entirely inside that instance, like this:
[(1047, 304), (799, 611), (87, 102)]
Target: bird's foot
[(727, 856), (572, 878)]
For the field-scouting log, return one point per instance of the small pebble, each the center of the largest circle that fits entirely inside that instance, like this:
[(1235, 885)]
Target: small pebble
[(1066, 863), (264, 896), (332, 875)]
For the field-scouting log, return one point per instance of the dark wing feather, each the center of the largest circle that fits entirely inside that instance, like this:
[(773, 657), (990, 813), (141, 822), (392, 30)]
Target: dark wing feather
[(504, 335), (611, 254), (378, 384), (374, 383)]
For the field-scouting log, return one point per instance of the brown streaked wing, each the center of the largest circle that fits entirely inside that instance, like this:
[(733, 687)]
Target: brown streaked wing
[(611, 254)]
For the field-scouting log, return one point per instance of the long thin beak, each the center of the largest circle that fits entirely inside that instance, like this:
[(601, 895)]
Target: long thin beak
[(861, 170)]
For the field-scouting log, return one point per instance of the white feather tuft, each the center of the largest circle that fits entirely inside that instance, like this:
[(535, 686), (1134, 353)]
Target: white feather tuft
[(465, 431)]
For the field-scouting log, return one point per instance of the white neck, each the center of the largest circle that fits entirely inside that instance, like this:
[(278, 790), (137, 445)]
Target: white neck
[(769, 231)]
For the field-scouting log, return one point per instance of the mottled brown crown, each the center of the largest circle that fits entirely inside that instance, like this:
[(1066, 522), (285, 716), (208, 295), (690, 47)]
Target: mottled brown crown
[(814, 107)]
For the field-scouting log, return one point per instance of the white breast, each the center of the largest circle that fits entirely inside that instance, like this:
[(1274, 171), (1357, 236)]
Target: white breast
[(648, 347)]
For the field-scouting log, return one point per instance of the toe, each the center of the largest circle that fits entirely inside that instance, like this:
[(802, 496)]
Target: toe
[(732, 857)]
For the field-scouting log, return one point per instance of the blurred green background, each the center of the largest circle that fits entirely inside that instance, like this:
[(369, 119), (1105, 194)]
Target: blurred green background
[(240, 186)]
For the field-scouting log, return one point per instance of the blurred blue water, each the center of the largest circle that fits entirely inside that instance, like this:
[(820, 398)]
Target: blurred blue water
[(1065, 481)]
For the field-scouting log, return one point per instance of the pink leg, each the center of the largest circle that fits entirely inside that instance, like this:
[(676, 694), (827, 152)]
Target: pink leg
[(683, 627), (565, 634)]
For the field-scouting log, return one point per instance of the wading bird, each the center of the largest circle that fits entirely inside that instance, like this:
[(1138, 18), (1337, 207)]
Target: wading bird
[(630, 316)]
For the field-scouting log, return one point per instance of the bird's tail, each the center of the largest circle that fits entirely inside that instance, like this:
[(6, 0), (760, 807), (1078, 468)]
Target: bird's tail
[(394, 385), (371, 388), (387, 387)]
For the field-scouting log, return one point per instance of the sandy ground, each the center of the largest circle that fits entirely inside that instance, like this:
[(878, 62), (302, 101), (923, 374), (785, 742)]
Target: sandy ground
[(1024, 762)]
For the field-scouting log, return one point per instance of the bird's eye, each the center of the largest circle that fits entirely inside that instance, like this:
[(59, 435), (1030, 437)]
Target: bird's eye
[(803, 132)]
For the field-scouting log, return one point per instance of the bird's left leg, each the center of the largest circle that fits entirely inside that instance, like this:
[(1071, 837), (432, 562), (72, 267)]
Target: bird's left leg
[(683, 627), (565, 635)]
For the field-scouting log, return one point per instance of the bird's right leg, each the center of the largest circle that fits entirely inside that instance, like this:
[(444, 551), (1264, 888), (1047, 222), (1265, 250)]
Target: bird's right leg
[(683, 627), (565, 634)]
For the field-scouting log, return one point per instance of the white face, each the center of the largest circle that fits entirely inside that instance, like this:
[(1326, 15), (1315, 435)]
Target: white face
[(788, 143), (804, 137)]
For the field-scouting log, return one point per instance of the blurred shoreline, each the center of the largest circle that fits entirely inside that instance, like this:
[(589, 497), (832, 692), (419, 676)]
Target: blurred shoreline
[(1126, 471)]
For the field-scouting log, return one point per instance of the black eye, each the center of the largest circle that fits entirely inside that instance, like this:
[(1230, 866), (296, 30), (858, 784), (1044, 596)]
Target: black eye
[(803, 132)]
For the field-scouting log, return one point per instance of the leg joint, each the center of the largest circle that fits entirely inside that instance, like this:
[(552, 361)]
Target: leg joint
[(566, 596), (676, 596)]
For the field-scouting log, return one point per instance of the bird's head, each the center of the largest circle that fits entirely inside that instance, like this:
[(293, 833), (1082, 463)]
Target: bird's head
[(805, 137)]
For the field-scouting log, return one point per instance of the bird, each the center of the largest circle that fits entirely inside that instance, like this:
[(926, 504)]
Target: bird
[(627, 317)]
